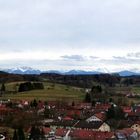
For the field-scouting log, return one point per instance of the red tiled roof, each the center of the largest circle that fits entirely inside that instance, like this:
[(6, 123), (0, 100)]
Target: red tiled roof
[(101, 116), (58, 132), (132, 113), (73, 112), (61, 132), (80, 134), (102, 106), (138, 110), (137, 122), (40, 105), (46, 130), (67, 118), (93, 135), (126, 109)]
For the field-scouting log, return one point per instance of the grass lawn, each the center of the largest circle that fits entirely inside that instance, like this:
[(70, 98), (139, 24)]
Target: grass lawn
[(136, 90), (50, 92)]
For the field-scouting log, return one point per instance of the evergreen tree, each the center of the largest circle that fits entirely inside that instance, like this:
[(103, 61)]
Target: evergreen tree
[(119, 114), (73, 103), (96, 89), (15, 137), (42, 133), (46, 103), (115, 113), (87, 98), (32, 133), (21, 135), (47, 113), (110, 100), (35, 104), (35, 133), (3, 88), (93, 103), (111, 112)]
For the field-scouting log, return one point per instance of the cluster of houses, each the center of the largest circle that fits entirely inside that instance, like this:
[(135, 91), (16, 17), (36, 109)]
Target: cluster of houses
[(76, 121)]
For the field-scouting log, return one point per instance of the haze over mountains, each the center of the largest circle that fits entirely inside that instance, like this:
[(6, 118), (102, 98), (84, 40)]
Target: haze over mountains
[(29, 70)]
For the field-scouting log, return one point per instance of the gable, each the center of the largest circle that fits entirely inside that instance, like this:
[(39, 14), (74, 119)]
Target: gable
[(93, 118)]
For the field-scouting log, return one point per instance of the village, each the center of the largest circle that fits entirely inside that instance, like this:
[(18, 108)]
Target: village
[(52, 120)]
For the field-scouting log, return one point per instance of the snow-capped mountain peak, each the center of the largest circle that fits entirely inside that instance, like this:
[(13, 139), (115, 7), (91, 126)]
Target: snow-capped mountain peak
[(23, 70), (29, 70), (103, 70)]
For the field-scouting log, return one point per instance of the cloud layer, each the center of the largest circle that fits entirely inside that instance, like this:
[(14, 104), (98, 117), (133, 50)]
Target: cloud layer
[(75, 34)]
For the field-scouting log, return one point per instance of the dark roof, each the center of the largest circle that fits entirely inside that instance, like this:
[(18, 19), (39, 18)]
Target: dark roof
[(63, 123), (89, 125)]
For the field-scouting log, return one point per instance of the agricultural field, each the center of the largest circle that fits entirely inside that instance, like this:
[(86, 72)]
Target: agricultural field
[(51, 92)]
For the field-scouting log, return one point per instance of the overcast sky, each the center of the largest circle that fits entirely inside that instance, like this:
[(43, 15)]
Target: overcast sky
[(70, 34)]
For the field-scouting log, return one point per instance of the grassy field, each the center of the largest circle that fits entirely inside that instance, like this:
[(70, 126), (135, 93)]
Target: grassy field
[(136, 90), (50, 92), (53, 92)]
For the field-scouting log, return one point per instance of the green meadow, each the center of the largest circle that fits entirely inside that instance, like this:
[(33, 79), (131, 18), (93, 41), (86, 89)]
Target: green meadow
[(51, 92)]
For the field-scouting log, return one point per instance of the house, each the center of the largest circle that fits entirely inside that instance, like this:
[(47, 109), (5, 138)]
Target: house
[(62, 124), (105, 127), (133, 116), (91, 135), (127, 134), (136, 126), (95, 125), (73, 112), (97, 117), (85, 105), (59, 133), (4, 111), (102, 107), (77, 134), (127, 109), (67, 118)]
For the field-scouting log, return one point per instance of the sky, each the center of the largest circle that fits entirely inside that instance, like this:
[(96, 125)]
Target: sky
[(74, 34)]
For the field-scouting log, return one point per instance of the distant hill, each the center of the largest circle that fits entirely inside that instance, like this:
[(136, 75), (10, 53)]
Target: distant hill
[(127, 73), (80, 72), (30, 71), (3, 72)]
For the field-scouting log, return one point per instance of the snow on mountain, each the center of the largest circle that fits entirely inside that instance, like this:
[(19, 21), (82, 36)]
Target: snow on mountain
[(29, 70), (81, 72), (103, 70), (23, 70)]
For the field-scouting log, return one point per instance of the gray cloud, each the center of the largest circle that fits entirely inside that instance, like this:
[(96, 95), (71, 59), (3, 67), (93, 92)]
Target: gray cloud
[(137, 54), (76, 62), (73, 57), (43, 22), (79, 27), (125, 60), (118, 57), (93, 57)]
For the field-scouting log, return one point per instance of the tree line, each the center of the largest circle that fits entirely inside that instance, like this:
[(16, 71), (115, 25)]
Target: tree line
[(27, 86)]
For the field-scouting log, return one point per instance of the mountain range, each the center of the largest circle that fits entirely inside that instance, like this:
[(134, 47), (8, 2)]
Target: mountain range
[(28, 70)]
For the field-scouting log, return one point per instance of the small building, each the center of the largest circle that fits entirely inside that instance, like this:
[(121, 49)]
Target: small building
[(127, 134), (136, 126), (96, 126)]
